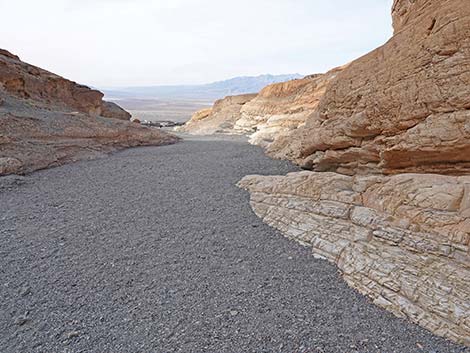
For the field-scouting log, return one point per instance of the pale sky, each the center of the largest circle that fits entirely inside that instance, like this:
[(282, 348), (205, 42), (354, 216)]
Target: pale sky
[(152, 42)]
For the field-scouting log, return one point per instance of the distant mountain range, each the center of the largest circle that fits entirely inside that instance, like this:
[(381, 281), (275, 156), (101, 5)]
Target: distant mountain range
[(210, 91)]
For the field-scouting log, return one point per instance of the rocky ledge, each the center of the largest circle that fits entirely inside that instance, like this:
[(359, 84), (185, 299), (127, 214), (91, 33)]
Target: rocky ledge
[(46, 120), (402, 240)]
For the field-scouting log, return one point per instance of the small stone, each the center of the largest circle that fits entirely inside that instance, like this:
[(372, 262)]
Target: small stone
[(72, 334), (233, 312), (21, 320), (25, 291)]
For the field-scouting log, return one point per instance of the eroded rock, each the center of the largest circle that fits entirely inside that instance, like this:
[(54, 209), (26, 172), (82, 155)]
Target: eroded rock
[(27, 81), (282, 107), (404, 107), (401, 240), (219, 119), (389, 141), (46, 120)]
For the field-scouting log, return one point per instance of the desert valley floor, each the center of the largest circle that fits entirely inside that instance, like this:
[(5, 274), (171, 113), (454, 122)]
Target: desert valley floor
[(155, 249)]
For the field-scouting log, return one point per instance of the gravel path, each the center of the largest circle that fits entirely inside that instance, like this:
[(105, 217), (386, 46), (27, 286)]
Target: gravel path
[(157, 250)]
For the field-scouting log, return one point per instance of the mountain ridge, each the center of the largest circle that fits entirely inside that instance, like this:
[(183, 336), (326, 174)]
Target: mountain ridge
[(211, 91)]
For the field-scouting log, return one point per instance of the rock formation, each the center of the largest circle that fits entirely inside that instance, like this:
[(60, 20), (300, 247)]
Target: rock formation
[(276, 111), (27, 81), (219, 119), (389, 144), (46, 120), (283, 107), (403, 107), (401, 240)]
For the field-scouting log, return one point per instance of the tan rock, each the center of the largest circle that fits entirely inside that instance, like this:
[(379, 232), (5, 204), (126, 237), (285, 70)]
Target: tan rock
[(27, 81), (403, 107), (219, 119), (9, 165), (402, 240), (282, 107), (46, 120)]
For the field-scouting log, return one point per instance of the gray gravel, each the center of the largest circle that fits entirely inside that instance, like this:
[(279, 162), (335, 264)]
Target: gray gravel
[(156, 250)]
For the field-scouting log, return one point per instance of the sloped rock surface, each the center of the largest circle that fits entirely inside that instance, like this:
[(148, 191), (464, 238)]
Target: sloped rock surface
[(399, 237), (403, 107), (46, 120), (283, 107), (401, 240), (219, 119), (27, 81)]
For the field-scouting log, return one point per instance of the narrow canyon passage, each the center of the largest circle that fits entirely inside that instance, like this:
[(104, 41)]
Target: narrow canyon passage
[(156, 250)]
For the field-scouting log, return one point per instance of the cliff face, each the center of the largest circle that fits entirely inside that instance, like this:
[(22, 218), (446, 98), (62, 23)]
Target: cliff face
[(402, 108), (401, 240), (276, 111), (220, 119), (391, 136), (46, 120), (280, 108), (23, 80)]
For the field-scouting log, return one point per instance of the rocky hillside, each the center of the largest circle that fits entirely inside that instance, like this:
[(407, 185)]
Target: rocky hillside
[(46, 120), (221, 118), (387, 138), (403, 107), (283, 107), (278, 109)]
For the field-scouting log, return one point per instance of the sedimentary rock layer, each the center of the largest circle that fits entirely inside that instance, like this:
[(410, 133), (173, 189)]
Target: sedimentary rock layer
[(283, 107), (404, 107), (219, 119), (24, 80), (273, 113), (46, 120), (402, 240)]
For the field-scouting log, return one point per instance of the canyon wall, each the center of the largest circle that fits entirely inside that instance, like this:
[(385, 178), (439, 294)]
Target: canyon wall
[(403, 107), (401, 240), (27, 81), (220, 118), (388, 197), (283, 107), (274, 112), (46, 120)]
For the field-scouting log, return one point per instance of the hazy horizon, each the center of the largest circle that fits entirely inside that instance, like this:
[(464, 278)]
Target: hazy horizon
[(126, 43), (202, 83)]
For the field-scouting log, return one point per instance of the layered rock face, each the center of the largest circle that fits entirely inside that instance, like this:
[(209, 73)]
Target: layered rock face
[(46, 120), (389, 144), (27, 81), (401, 240), (283, 107), (221, 118), (403, 107), (276, 111)]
